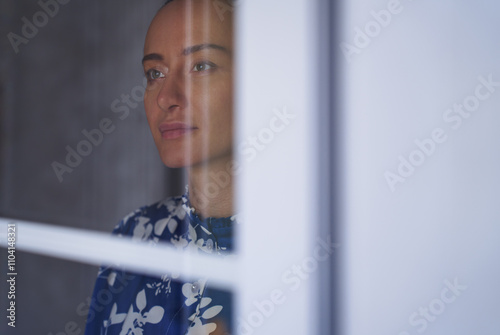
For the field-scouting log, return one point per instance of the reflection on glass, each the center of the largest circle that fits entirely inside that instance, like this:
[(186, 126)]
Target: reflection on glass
[(188, 63)]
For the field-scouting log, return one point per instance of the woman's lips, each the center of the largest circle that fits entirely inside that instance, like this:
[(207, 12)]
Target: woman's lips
[(173, 130)]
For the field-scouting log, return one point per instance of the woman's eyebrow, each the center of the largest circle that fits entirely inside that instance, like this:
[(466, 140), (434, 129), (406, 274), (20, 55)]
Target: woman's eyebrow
[(187, 51), (198, 47), (152, 57)]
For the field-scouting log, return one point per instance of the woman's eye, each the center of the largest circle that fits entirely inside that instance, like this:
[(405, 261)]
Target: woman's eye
[(203, 67), (154, 74)]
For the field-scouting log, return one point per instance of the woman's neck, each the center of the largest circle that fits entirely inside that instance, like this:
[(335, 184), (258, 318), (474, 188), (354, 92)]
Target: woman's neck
[(211, 188)]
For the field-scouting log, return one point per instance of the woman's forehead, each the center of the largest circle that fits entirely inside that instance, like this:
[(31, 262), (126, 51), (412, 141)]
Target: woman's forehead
[(184, 23)]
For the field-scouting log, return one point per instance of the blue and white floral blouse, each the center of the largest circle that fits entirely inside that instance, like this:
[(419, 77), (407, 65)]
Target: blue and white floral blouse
[(131, 304)]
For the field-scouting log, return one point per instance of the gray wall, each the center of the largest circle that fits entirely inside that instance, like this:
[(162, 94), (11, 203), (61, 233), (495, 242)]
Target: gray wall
[(62, 82)]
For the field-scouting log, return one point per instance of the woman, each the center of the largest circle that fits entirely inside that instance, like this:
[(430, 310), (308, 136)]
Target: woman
[(188, 64)]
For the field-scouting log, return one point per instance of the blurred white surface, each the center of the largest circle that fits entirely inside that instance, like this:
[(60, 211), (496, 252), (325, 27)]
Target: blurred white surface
[(404, 240)]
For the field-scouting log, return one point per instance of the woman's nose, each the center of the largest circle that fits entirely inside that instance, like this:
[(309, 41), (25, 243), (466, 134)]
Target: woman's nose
[(172, 94)]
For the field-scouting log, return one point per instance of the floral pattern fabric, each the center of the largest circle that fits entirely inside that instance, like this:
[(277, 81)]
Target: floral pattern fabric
[(125, 303)]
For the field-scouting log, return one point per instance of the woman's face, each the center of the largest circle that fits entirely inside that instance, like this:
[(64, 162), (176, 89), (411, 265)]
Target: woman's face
[(189, 100)]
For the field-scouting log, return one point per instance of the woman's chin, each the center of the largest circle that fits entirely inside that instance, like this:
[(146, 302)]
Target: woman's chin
[(178, 162), (175, 164)]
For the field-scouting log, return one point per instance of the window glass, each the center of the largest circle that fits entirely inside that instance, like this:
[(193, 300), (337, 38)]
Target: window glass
[(118, 118)]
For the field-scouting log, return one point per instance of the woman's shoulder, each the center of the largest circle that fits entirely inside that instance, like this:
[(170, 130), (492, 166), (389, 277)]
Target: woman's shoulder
[(150, 222)]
